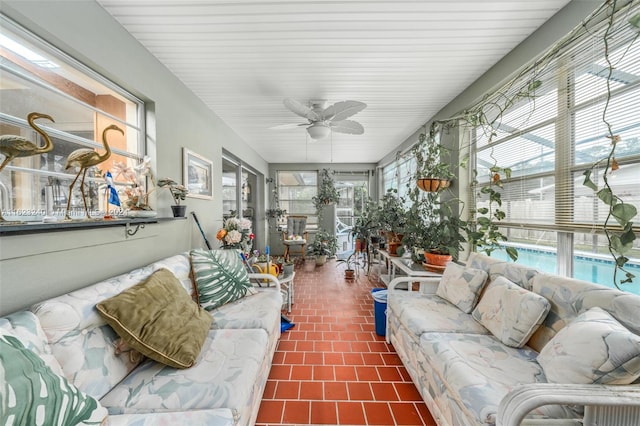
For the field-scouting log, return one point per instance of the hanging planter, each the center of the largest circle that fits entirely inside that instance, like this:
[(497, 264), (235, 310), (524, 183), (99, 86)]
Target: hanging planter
[(433, 184)]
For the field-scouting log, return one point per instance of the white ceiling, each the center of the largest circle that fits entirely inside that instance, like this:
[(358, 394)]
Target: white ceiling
[(405, 59)]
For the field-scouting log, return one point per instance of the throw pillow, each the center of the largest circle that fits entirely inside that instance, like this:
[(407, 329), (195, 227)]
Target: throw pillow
[(593, 348), (220, 277), (461, 286), (510, 312), (158, 319), (32, 394)]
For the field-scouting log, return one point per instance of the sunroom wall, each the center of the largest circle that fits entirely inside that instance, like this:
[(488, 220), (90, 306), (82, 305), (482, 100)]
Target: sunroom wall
[(39, 266)]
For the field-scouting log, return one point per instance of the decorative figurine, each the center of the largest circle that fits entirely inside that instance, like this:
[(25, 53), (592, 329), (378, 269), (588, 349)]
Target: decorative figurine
[(12, 146), (85, 158)]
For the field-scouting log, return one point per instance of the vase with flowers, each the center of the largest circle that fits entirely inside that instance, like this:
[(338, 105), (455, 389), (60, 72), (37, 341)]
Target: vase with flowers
[(236, 234), (136, 203), (178, 193)]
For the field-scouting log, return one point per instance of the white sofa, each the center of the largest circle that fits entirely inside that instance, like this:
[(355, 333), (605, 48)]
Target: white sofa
[(224, 387), (468, 376)]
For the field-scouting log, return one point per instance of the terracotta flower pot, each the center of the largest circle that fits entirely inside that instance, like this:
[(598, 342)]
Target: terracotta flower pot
[(393, 247), (349, 274), (437, 259)]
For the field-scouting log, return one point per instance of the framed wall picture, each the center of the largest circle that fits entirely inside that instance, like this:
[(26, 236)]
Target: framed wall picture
[(197, 175)]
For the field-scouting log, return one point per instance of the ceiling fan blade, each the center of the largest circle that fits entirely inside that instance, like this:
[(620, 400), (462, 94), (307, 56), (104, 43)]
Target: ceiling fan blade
[(288, 126), (347, 126), (301, 109), (342, 110)]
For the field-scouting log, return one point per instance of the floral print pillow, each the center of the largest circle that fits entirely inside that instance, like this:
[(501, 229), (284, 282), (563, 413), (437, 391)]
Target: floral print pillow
[(510, 313), (462, 286), (593, 348)]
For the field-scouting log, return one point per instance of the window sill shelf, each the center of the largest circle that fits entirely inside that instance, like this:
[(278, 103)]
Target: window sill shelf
[(40, 227)]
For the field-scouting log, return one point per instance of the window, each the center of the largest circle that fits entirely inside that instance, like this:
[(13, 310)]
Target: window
[(296, 190), (354, 194), (398, 174), (36, 77), (551, 138)]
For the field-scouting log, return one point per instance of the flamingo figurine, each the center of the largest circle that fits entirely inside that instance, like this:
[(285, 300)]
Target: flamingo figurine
[(13, 146), (85, 158)]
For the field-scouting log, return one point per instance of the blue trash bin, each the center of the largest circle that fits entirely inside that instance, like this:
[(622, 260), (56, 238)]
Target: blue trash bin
[(380, 310)]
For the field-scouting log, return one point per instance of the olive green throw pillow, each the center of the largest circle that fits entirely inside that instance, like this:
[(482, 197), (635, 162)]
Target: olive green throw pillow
[(158, 319), (220, 277), (32, 394)]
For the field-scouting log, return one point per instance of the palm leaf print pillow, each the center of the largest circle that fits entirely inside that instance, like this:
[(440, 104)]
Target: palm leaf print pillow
[(220, 277), (32, 394)]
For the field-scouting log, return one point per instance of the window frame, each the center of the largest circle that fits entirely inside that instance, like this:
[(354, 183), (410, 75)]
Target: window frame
[(133, 122)]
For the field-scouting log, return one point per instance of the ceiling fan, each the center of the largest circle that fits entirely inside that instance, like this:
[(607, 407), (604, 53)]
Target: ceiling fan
[(323, 119)]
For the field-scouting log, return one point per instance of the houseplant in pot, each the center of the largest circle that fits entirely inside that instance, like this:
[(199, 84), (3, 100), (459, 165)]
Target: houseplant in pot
[(392, 219), (287, 267), (327, 191), (178, 192), (444, 234), (433, 173), (320, 250), (352, 263), (445, 241)]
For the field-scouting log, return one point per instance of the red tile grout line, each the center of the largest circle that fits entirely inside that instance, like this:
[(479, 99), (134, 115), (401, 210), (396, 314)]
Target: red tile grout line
[(332, 368)]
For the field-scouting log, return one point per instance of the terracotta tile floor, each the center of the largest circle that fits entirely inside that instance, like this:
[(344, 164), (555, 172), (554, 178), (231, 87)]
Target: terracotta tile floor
[(332, 368)]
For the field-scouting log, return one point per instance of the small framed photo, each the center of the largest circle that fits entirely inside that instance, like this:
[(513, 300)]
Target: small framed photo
[(197, 175)]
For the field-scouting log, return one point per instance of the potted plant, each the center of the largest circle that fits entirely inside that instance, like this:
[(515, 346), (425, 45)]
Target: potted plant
[(392, 219), (178, 192), (445, 241), (329, 240), (433, 174), (327, 192), (287, 267), (320, 250), (352, 262)]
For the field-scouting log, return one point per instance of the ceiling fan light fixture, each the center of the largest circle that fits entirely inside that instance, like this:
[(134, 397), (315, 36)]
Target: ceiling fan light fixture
[(318, 131)]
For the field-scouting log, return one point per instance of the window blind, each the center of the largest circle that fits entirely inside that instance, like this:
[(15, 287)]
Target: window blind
[(551, 135)]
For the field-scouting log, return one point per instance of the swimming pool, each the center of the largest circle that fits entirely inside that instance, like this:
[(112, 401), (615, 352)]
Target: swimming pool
[(585, 268)]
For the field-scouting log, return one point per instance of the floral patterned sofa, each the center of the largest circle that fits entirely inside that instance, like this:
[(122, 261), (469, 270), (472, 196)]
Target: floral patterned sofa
[(506, 355), (72, 340)]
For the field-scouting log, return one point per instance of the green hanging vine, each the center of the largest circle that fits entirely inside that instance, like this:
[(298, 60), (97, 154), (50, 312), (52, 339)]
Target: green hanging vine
[(484, 232), (620, 240)]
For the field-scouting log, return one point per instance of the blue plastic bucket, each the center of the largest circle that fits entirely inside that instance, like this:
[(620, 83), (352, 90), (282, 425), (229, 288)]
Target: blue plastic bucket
[(380, 310)]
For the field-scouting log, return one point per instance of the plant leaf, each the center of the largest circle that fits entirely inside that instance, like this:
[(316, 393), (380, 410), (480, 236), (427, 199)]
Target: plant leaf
[(624, 213), (606, 196), (627, 237), (484, 221), (587, 180), (512, 252)]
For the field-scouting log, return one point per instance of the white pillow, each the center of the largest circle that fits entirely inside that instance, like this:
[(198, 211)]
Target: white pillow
[(462, 286), (593, 348), (510, 312)]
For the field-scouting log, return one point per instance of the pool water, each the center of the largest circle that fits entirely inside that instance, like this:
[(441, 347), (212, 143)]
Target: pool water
[(585, 268)]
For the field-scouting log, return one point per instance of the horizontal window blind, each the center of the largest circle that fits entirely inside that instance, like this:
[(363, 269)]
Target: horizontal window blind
[(556, 130)]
